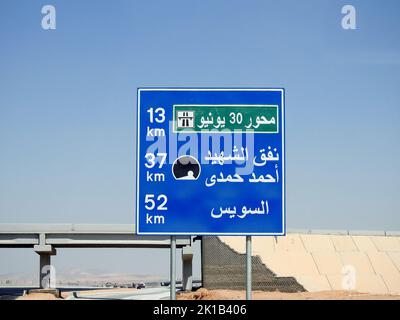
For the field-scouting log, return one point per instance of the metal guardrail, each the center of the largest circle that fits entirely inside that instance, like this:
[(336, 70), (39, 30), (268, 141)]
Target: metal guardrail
[(82, 236), (45, 239)]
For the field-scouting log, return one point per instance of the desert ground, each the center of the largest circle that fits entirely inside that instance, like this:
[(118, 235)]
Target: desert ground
[(204, 294)]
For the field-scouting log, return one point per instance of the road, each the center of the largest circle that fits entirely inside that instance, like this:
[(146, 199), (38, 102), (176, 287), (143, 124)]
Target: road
[(126, 294)]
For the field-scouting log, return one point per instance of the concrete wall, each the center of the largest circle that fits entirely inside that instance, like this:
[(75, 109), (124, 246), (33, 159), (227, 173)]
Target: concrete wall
[(320, 262)]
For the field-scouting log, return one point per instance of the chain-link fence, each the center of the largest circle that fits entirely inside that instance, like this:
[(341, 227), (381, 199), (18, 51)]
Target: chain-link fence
[(223, 268)]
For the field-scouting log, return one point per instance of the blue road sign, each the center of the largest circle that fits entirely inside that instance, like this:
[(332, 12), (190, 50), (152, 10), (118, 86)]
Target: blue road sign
[(210, 161)]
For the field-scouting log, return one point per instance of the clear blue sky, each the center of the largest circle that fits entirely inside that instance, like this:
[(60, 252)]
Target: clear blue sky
[(68, 99)]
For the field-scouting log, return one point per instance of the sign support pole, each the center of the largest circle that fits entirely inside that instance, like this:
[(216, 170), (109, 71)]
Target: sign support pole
[(173, 269), (248, 267)]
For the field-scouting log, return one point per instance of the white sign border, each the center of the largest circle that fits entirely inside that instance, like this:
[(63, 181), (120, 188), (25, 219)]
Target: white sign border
[(282, 233)]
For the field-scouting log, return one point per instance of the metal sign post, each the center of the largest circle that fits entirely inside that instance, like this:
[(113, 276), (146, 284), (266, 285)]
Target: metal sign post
[(210, 162), (173, 269), (248, 267)]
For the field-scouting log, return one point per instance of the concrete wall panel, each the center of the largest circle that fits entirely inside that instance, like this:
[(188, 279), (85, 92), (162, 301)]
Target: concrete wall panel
[(328, 263), (315, 243), (386, 243), (343, 243), (323, 262)]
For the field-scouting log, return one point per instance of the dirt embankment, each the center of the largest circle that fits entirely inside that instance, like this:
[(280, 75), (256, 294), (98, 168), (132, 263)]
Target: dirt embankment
[(38, 296), (204, 294)]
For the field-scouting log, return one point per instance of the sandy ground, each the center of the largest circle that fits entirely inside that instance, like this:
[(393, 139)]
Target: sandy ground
[(38, 296), (204, 294), (65, 294)]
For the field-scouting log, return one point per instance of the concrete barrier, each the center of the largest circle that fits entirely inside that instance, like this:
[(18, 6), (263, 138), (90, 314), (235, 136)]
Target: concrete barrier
[(345, 260)]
